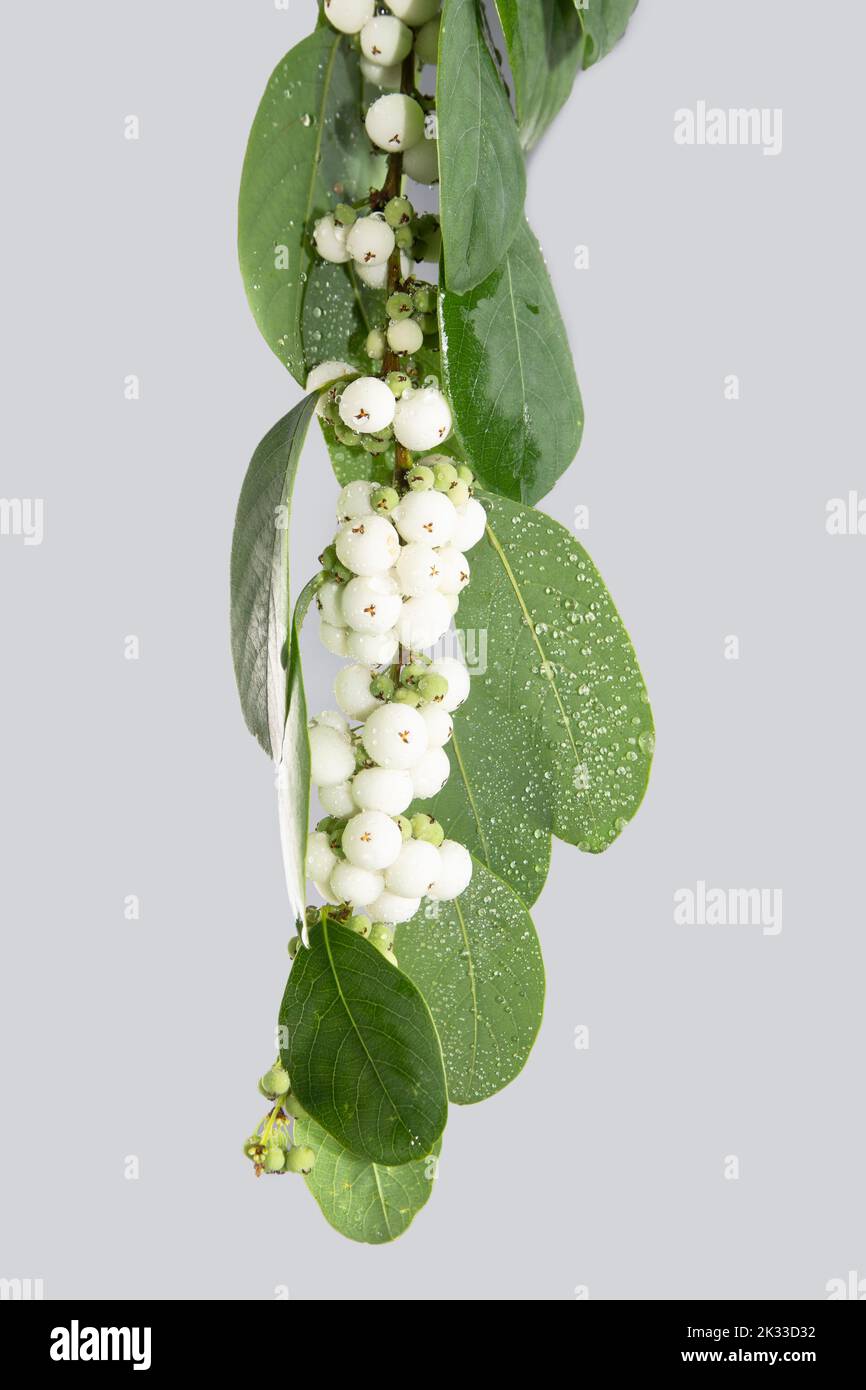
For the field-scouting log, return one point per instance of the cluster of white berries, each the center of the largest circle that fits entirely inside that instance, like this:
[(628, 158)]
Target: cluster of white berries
[(386, 41), (391, 580)]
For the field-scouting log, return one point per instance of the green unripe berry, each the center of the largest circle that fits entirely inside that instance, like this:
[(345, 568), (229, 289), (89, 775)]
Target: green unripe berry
[(420, 478), (382, 686), (398, 382), (404, 238), (311, 916), (465, 474), (433, 834), (433, 687), (425, 298), (300, 1159), (253, 1147), (420, 822), (429, 324), (345, 435), (405, 826), (399, 212), (293, 1107), (381, 935), (375, 344), (330, 410), (275, 1159), (328, 557), (344, 216), (360, 924), (294, 947), (276, 1081), (411, 674), (459, 493), (384, 499), (398, 306), (405, 695), (444, 474), (375, 443)]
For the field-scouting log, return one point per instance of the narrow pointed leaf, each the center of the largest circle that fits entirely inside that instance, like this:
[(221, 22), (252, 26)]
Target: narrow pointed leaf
[(478, 963), (510, 376), (361, 1049), (362, 1200), (545, 45)]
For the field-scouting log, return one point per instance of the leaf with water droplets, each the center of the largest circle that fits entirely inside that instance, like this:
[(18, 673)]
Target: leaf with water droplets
[(365, 1201), (478, 964), (361, 1049)]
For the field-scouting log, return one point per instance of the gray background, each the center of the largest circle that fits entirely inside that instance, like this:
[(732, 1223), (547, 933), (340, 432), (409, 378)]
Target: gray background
[(601, 1168)]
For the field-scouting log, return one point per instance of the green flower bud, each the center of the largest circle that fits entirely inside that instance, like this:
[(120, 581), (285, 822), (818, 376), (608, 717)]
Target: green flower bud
[(444, 474), (300, 1159), (275, 1159), (330, 409), (253, 1147), (276, 1081), (381, 935), (398, 306), (405, 826), (420, 479), (399, 212), (375, 443), (459, 493), (405, 239), (343, 215), (398, 382), (384, 499), (433, 687), (375, 344), (411, 674), (360, 924), (382, 686), (425, 298), (465, 474), (405, 695), (345, 435)]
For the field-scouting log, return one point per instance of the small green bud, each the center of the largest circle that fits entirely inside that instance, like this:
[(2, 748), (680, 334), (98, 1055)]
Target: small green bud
[(275, 1159), (344, 216), (405, 695), (276, 1081), (399, 212), (293, 1107), (444, 474), (382, 686), (253, 1147), (294, 947), (432, 834), (398, 382), (398, 306), (300, 1159), (375, 344), (381, 935), (433, 687), (312, 915), (405, 238), (411, 674), (345, 435), (330, 409), (465, 474), (425, 298), (405, 826), (384, 499), (372, 444), (360, 924), (459, 493), (420, 479), (421, 821)]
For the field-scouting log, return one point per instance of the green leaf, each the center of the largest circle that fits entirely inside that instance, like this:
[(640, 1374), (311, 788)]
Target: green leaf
[(260, 577), (338, 313), (350, 464), (307, 151), (478, 963), (603, 22), (559, 656), (545, 46), (482, 177), (496, 801), (361, 1049), (365, 1201), (293, 770), (510, 377)]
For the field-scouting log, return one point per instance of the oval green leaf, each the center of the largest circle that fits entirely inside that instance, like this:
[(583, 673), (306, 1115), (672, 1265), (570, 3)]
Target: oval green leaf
[(365, 1201), (361, 1049), (510, 376), (603, 22), (545, 44), (482, 176), (478, 964)]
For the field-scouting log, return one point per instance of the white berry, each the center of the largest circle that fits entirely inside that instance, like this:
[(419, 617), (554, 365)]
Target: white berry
[(331, 241), (427, 41), (386, 40), (425, 516), (395, 122), (324, 890), (349, 16), (356, 886), (440, 726), (422, 419), (376, 276), (393, 908), (418, 570), (388, 78), (354, 500), (431, 774), (367, 545), (352, 689), (334, 638), (383, 789), (423, 621), (372, 604), (339, 800), (331, 757), (453, 603), (330, 602), (455, 872), (454, 569), (321, 859), (421, 163), (372, 840), (373, 648), (470, 525), (395, 736), (414, 12), (405, 335), (457, 677), (333, 719), (367, 405), (414, 871), (370, 240), (323, 375)]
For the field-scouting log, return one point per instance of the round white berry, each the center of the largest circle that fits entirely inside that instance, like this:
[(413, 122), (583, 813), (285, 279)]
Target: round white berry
[(331, 757), (395, 122), (372, 604), (367, 545), (334, 638), (323, 375), (321, 859), (470, 525), (457, 677), (388, 78), (332, 719), (373, 648), (367, 405), (376, 276), (331, 241), (395, 736), (423, 621), (455, 872), (372, 840), (405, 335), (356, 886), (454, 570), (427, 41), (418, 570), (422, 419), (386, 40), (354, 500), (453, 603), (431, 774), (349, 16), (352, 689), (383, 789), (393, 909), (414, 12), (330, 602), (324, 890), (421, 163), (440, 726), (370, 240), (415, 869), (425, 516), (338, 800)]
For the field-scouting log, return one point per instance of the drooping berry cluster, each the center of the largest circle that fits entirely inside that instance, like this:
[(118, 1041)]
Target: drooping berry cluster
[(272, 1148)]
